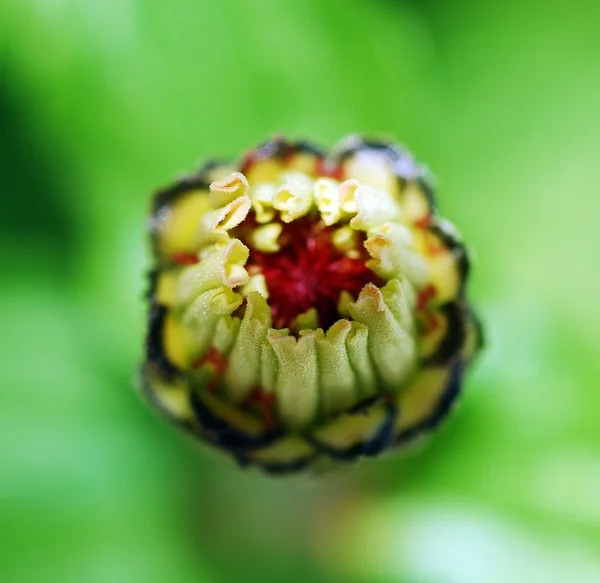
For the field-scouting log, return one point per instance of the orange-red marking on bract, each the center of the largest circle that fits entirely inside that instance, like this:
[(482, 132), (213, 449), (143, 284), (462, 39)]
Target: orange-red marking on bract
[(217, 362), (264, 401), (185, 258)]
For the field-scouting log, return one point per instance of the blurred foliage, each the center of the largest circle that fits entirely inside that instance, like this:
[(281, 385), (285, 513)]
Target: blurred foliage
[(101, 101)]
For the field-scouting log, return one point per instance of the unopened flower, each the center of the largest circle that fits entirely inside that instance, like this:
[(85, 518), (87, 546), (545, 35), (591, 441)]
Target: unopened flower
[(306, 307)]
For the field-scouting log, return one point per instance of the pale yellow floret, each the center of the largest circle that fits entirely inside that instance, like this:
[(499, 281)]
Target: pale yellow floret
[(400, 297), (336, 378), (262, 200), (391, 247), (226, 332), (294, 198), (345, 239), (348, 190), (226, 190), (220, 265), (269, 367), (297, 384), (213, 226), (309, 320), (202, 316), (342, 305), (357, 344), (265, 238), (373, 208), (212, 303), (391, 346), (243, 373), (256, 283), (327, 199), (235, 255)]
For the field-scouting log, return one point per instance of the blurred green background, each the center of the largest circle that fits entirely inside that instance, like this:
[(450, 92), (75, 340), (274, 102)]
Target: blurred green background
[(102, 101)]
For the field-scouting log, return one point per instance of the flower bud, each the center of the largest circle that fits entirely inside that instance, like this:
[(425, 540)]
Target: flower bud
[(307, 308)]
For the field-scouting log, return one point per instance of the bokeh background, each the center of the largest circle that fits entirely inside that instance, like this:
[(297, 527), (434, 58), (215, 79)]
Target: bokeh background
[(102, 101)]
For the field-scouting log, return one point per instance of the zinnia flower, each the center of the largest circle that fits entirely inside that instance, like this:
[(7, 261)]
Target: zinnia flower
[(305, 306)]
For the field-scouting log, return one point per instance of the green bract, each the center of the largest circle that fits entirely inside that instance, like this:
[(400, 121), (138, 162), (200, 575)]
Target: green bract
[(306, 307)]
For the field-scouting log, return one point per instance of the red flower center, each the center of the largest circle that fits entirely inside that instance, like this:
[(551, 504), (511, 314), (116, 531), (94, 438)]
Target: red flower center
[(309, 271)]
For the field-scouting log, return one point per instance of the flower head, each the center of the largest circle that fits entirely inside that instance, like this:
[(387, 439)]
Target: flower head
[(305, 306)]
